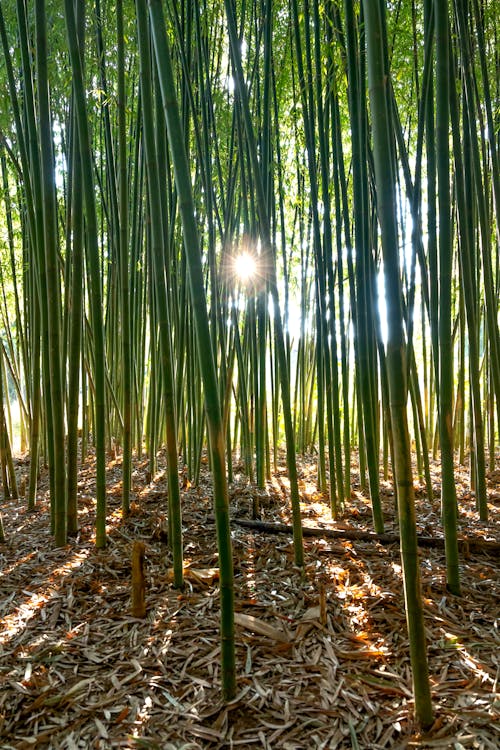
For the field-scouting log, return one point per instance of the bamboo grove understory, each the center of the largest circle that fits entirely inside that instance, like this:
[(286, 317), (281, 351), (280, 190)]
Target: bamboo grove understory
[(347, 153)]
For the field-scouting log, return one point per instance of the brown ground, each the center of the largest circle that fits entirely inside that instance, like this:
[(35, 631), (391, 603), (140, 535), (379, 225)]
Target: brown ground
[(322, 653)]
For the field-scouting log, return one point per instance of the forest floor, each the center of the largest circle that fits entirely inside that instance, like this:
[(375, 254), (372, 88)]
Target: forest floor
[(322, 653)]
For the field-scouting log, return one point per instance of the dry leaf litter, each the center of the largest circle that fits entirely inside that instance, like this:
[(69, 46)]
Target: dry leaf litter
[(322, 653)]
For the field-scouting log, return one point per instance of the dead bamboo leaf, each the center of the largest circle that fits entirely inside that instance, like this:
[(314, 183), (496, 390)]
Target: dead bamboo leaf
[(88, 658), (206, 576), (249, 622)]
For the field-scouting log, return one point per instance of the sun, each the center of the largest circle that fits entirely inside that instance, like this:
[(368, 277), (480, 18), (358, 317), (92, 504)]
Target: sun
[(245, 266)]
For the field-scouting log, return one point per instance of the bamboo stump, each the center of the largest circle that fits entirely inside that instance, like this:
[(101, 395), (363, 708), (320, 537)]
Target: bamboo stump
[(138, 580)]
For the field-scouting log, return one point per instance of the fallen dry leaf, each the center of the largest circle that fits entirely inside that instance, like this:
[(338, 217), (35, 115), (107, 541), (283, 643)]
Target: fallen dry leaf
[(322, 660), (249, 622)]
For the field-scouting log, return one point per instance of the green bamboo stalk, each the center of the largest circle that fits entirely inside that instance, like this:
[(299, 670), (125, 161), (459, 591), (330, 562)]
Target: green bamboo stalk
[(38, 299), (448, 494), (151, 145), (363, 264), (57, 436), (470, 296), (8, 471), (432, 249), (474, 114), (205, 352), (93, 271), (270, 263), (75, 325), (342, 217), (396, 365), (123, 254)]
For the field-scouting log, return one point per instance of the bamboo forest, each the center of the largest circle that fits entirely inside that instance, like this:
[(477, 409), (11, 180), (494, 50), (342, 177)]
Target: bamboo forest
[(249, 374)]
